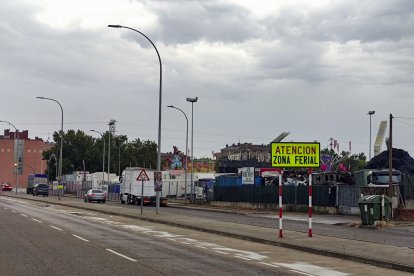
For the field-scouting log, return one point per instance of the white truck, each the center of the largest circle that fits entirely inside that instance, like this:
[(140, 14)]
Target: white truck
[(131, 189)]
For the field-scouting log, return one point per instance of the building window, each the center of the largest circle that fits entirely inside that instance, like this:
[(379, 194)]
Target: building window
[(8, 150), (29, 150)]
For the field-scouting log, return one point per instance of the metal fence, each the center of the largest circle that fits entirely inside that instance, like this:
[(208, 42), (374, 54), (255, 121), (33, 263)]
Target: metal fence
[(298, 195), (407, 187), (322, 195), (79, 188)]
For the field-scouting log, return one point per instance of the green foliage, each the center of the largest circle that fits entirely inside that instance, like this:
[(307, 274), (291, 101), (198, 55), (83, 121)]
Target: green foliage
[(354, 161), (83, 152)]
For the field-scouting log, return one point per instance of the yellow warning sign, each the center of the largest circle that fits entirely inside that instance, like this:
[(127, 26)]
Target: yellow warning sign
[(295, 155)]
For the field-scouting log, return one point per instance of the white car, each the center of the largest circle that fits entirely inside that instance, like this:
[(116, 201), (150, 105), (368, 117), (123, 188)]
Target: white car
[(95, 195)]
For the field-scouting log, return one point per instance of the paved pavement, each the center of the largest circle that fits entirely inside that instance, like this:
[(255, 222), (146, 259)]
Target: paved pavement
[(389, 256)]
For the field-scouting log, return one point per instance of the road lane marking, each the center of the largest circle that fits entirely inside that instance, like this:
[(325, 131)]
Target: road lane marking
[(57, 228), (23, 215), (123, 256), (244, 258), (221, 252), (76, 236), (201, 247), (310, 269), (13, 211), (36, 220), (300, 272), (272, 265)]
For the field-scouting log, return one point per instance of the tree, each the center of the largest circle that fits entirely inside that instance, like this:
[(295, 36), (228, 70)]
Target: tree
[(333, 161), (79, 148)]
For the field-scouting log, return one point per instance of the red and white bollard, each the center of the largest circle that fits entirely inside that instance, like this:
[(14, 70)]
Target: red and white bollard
[(280, 205), (310, 203)]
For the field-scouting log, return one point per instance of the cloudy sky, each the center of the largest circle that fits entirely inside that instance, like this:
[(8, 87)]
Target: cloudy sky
[(258, 68)]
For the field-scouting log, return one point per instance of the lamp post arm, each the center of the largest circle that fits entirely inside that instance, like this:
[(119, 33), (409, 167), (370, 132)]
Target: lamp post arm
[(160, 92)]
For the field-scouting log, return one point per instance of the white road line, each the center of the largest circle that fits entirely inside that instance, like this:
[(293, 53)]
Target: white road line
[(76, 236), (123, 256), (13, 211), (23, 215), (5, 208), (221, 252), (240, 257), (272, 265), (300, 272), (185, 242), (201, 246), (171, 239), (36, 220), (56, 228)]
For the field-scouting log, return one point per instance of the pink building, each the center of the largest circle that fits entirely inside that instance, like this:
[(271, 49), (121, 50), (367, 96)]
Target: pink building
[(27, 151)]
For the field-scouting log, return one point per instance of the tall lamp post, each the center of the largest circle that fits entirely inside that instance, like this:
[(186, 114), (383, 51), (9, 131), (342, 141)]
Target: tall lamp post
[(158, 193), (103, 156), (111, 125), (17, 163), (186, 149), (192, 101), (370, 113), (61, 143)]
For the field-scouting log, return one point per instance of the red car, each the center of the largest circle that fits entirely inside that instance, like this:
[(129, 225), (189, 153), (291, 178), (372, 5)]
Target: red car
[(6, 187)]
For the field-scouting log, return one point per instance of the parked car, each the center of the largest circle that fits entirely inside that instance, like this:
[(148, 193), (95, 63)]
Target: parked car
[(95, 195), (41, 189), (6, 187)]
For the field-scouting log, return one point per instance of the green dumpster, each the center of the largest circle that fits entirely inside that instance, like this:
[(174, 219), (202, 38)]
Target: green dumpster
[(371, 209)]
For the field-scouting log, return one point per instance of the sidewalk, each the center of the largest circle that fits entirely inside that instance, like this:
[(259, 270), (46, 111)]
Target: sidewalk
[(394, 257)]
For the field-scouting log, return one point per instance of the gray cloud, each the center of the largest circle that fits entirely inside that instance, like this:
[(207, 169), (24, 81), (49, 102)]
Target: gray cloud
[(311, 71), (215, 21)]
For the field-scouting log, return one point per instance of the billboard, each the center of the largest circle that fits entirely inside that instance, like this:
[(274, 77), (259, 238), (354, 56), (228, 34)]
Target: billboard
[(295, 155)]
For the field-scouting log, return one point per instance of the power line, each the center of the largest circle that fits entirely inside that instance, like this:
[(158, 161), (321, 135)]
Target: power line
[(407, 118), (411, 125)]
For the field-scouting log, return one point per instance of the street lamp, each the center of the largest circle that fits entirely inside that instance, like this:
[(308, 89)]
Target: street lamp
[(158, 193), (103, 156), (61, 143), (192, 101), (186, 148), (16, 164), (370, 113)]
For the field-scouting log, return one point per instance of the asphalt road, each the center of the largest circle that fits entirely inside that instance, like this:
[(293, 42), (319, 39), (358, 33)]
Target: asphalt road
[(39, 240), (43, 239)]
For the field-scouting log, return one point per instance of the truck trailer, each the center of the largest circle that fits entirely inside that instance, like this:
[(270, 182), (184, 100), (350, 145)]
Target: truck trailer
[(131, 189), (376, 178), (34, 179)]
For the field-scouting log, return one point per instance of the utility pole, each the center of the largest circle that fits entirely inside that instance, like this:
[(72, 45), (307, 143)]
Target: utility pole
[(111, 131), (370, 113), (390, 187)]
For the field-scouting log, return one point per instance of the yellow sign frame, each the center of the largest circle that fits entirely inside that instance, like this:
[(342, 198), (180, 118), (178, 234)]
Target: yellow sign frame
[(295, 155)]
